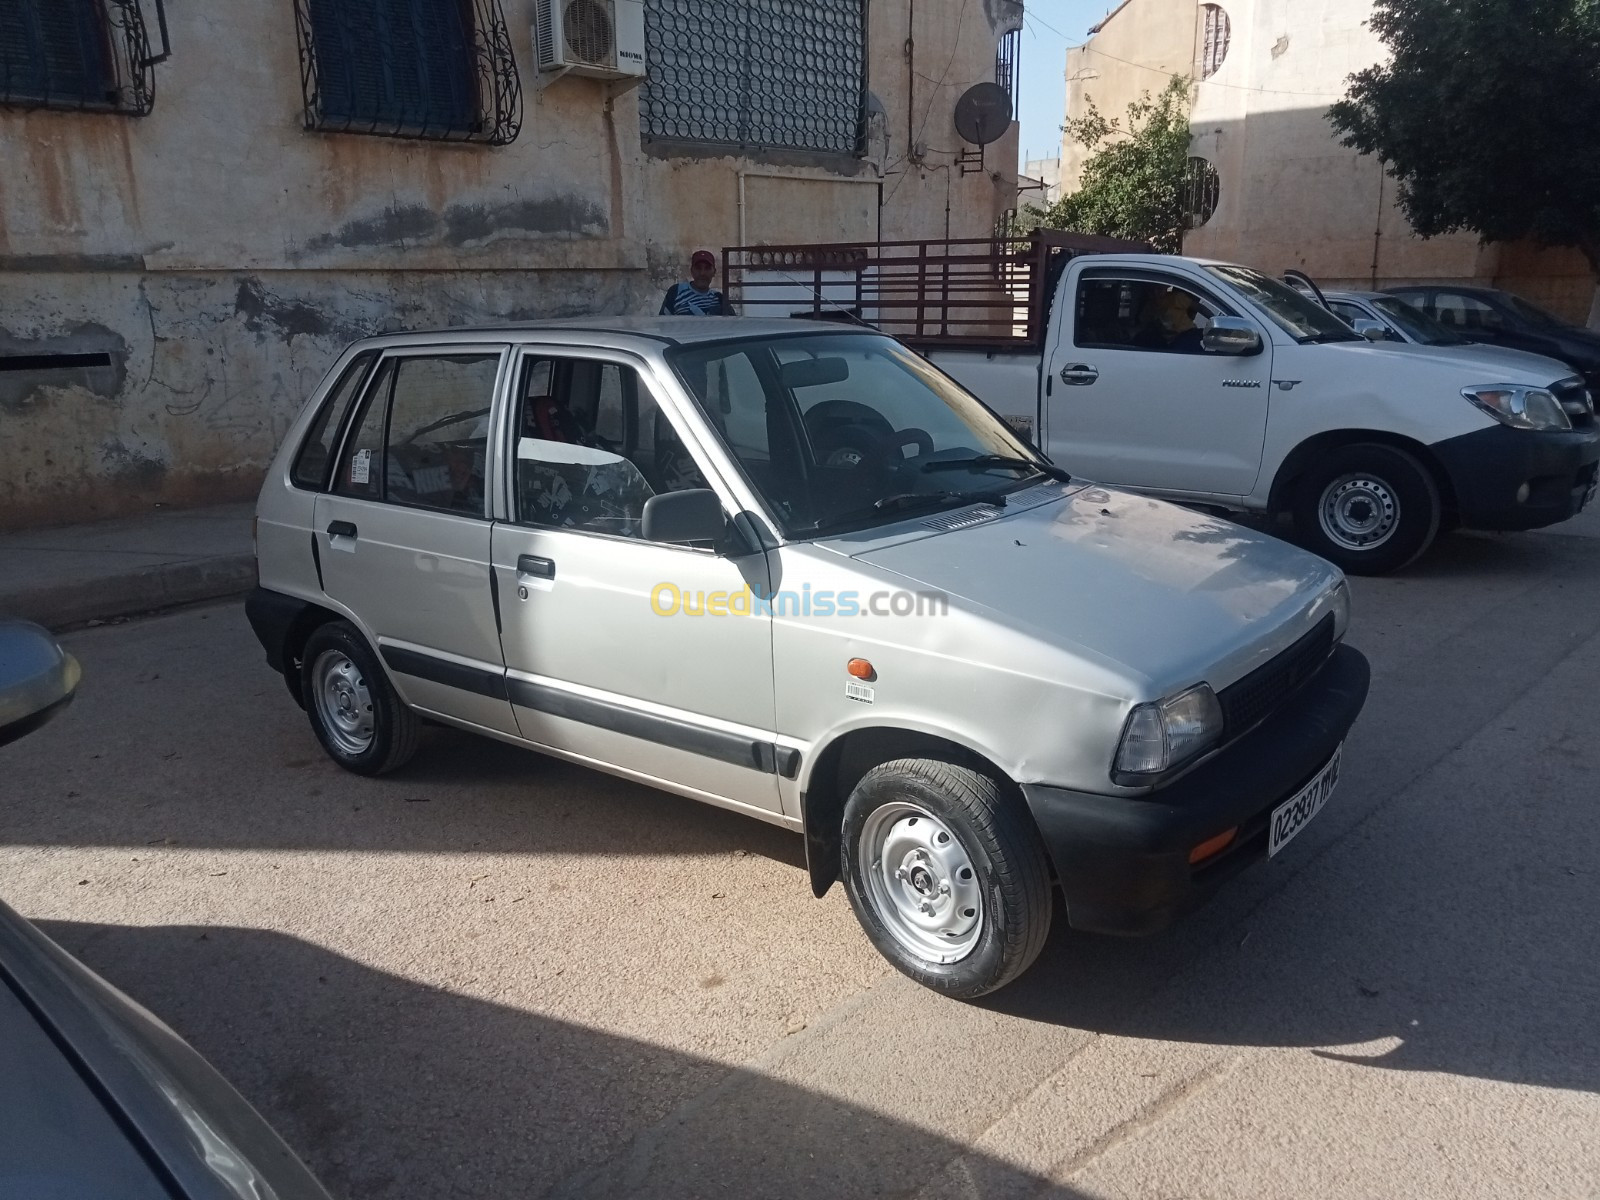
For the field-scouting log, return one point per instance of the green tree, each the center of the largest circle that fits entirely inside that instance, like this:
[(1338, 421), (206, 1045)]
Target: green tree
[(1488, 116), (1134, 183)]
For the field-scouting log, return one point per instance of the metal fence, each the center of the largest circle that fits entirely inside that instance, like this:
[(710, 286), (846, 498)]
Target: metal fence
[(758, 74), (436, 69), (93, 55)]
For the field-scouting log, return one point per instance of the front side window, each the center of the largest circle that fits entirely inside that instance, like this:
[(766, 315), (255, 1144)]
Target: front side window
[(422, 438), (846, 431), (79, 54), (592, 446), (1414, 323), (409, 68), (1463, 314), (758, 75), (1141, 314), (1299, 316)]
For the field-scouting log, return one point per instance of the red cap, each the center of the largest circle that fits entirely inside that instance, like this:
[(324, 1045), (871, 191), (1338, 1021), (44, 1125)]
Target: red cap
[(702, 256)]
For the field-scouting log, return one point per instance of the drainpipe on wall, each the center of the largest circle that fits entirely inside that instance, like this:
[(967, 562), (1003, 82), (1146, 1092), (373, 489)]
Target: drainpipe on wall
[(1377, 232)]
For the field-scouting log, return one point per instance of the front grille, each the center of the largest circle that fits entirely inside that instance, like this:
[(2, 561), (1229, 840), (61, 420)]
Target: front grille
[(1248, 702)]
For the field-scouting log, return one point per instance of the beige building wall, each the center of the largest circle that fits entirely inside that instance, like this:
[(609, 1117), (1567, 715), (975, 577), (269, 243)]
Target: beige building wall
[(1291, 195), (220, 256)]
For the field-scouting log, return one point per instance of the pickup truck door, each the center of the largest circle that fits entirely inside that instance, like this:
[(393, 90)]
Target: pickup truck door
[(1133, 399), (612, 656)]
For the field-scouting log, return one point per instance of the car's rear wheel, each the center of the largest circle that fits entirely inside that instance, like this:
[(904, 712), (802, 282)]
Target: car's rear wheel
[(947, 875), (356, 714), (1370, 509)]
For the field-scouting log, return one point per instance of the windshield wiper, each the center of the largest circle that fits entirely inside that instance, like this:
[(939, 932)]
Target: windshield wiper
[(906, 501), (1002, 461)]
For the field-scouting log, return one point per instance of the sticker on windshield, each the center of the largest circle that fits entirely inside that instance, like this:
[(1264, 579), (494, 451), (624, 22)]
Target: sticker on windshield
[(361, 467)]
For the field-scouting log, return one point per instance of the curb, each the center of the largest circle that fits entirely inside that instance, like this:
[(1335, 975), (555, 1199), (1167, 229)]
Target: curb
[(164, 586)]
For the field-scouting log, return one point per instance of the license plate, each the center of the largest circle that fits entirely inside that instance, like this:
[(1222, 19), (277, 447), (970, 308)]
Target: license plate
[(1294, 814)]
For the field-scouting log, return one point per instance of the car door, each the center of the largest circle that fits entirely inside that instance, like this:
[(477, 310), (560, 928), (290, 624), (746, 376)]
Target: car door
[(403, 537), (639, 656), (1135, 400)]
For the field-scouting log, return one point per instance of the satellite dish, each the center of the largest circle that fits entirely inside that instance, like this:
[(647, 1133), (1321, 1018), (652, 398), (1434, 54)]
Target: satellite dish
[(983, 113)]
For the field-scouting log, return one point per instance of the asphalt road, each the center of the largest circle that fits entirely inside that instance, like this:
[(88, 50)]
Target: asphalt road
[(495, 975)]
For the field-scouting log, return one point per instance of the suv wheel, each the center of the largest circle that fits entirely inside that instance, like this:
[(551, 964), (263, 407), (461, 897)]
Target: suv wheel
[(361, 722), (946, 874), (1369, 509)]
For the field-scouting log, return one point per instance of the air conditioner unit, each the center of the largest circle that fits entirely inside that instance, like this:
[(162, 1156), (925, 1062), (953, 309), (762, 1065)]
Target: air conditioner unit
[(600, 38)]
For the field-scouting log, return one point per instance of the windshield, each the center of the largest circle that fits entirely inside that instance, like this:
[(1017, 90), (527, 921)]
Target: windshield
[(1532, 313), (846, 431), (1302, 318), (1414, 323)]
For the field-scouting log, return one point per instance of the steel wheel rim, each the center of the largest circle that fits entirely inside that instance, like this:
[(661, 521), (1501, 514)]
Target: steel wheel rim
[(344, 705), (921, 883), (1358, 512)]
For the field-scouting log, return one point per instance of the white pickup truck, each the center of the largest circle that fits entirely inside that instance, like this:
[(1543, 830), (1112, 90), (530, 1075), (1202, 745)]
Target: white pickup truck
[(1216, 384)]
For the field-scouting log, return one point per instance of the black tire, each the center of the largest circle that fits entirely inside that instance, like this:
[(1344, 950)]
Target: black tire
[(1353, 485), (393, 727), (996, 842)]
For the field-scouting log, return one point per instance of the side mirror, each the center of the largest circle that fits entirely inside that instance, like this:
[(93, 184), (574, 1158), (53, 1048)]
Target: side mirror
[(679, 518), (1373, 331), (1231, 335), (37, 678)]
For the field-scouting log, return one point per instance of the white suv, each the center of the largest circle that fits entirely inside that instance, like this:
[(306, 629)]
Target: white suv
[(793, 570)]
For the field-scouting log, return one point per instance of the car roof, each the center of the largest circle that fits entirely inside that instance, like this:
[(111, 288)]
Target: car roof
[(1354, 295), (669, 331)]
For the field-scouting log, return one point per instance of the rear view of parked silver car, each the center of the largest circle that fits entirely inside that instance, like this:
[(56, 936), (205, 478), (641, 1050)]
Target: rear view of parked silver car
[(795, 571)]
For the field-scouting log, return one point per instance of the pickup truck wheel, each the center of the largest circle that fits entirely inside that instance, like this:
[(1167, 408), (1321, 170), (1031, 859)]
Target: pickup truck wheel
[(1369, 509), (361, 722), (946, 874)]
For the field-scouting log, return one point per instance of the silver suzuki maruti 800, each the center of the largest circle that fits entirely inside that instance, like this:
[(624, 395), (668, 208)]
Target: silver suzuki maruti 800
[(793, 570)]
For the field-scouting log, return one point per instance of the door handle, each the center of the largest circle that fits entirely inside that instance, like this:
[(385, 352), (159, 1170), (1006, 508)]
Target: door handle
[(341, 529), (539, 568), (1079, 374)]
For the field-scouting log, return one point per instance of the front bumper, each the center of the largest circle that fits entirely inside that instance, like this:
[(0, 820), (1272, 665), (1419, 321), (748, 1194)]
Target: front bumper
[(1123, 863), (1488, 469)]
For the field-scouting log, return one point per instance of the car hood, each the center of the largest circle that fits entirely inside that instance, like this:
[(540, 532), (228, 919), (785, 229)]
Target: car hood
[(1503, 363), (1168, 594)]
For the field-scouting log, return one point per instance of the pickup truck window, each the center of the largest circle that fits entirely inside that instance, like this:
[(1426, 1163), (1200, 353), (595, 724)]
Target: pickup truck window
[(1140, 314), (1302, 318), (845, 431), (592, 446)]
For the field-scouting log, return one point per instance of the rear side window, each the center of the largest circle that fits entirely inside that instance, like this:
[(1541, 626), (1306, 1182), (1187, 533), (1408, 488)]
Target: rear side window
[(310, 468)]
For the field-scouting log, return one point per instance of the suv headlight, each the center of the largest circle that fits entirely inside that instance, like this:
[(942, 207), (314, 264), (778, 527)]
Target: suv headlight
[(1520, 407), (1167, 734)]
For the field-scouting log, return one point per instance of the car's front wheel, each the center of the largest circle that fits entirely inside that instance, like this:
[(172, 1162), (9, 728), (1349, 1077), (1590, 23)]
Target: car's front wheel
[(361, 722), (1370, 509), (947, 875)]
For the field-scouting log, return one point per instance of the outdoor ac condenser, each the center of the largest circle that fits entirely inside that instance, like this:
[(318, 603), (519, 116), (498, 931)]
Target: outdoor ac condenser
[(600, 38)]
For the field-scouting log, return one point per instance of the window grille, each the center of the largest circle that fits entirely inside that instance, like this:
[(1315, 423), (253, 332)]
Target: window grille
[(440, 69), (759, 74), (1214, 40), (1202, 191), (1006, 62), (92, 55)]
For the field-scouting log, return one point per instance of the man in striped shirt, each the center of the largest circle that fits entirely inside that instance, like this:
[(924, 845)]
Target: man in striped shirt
[(697, 298)]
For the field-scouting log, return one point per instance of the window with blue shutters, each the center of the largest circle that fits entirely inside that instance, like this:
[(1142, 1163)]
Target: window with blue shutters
[(438, 69), (77, 54)]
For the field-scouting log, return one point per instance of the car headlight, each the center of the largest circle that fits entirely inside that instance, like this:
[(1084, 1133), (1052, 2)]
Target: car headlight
[(1520, 407), (1167, 734)]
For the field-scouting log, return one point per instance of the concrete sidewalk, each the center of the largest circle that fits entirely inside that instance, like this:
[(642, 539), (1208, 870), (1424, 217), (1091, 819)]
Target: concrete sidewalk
[(78, 573)]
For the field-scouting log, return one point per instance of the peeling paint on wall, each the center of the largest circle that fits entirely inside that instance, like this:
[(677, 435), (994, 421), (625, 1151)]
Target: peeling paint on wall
[(469, 224)]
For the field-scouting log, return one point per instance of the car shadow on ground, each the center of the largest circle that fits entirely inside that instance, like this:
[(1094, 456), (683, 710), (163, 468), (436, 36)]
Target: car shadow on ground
[(390, 1088)]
